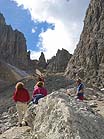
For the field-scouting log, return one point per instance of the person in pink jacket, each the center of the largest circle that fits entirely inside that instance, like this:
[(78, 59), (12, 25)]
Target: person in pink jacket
[(38, 92)]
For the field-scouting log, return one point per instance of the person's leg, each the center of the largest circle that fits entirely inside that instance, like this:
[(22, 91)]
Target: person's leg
[(37, 97), (20, 112), (24, 107), (80, 96), (24, 113)]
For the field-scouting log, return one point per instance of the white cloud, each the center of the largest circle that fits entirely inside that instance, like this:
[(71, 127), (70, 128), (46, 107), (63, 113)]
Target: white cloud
[(57, 39), (67, 17), (33, 30), (34, 55)]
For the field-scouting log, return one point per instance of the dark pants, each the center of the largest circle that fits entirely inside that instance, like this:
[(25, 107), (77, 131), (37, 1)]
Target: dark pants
[(80, 96), (36, 98)]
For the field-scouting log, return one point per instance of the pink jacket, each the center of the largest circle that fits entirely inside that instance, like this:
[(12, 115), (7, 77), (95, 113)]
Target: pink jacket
[(39, 90)]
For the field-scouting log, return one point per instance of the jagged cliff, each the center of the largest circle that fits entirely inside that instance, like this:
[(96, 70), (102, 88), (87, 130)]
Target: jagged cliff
[(59, 62), (13, 50), (88, 59), (42, 61), (13, 47)]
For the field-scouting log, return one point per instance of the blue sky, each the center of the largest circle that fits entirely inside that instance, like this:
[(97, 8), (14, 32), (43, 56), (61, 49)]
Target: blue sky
[(48, 25)]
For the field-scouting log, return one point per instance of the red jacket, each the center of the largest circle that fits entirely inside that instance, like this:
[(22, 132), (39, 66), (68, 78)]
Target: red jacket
[(21, 95), (39, 90)]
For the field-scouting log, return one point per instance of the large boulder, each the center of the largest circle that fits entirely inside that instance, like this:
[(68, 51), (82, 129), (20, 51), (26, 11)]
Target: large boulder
[(59, 116)]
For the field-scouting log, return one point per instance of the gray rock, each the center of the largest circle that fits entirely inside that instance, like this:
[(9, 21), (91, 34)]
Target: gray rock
[(13, 47), (59, 62), (59, 116), (2, 19), (42, 61), (89, 54)]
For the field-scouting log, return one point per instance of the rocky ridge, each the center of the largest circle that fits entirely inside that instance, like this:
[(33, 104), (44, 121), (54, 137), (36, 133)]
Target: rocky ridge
[(13, 47), (88, 59), (13, 55), (42, 61), (13, 50), (59, 62)]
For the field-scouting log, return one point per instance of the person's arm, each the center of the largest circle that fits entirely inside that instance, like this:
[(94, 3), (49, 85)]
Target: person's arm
[(35, 91), (28, 96), (45, 92)]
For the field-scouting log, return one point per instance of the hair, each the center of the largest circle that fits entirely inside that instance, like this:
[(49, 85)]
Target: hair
[(78, 80), (40, 84), (19, 86)]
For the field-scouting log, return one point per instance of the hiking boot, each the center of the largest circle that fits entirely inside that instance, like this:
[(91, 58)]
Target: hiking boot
[(26, 124)]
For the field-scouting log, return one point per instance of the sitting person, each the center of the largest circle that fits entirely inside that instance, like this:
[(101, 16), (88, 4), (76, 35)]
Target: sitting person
[(39, 92), (80, 89)]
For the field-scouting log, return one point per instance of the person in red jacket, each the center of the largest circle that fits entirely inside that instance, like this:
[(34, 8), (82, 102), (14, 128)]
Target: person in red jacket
[(38, 92), (21, 97)]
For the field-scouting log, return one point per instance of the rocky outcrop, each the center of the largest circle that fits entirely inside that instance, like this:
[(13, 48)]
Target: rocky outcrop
[(88, 59), (59, 62), (9, 74), (56, 116), (2, 19), (59, 116), (42, 61), (13, 47)]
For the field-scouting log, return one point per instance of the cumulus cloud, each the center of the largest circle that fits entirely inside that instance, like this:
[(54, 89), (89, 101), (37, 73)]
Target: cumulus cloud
[(34, 55), (68, 19), (52, 40)]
